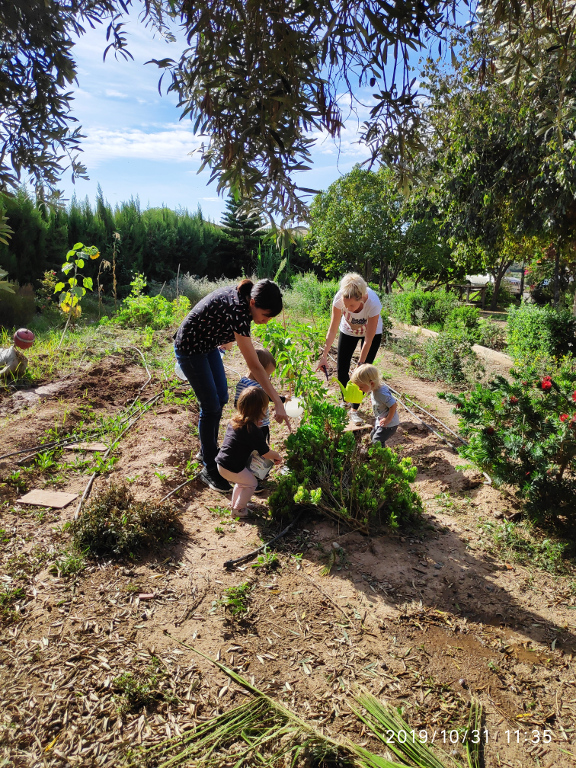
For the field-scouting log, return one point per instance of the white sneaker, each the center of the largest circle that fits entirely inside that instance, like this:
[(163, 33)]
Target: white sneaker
[(355, 418)]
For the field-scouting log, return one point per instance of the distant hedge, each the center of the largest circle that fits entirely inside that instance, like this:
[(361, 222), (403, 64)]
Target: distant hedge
[(535, 331), (421, 307)]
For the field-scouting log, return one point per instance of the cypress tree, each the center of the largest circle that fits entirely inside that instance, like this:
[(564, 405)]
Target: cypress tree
[(239, 248)]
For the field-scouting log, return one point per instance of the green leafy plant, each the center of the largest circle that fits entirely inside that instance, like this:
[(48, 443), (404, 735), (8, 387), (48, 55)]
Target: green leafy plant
[(523, 433), (235, 599), (16, 480), (45, 461), (140, 311), (8, 597), (70, 290), (267, 560), (295, 349), (330, 470), (114, 524)]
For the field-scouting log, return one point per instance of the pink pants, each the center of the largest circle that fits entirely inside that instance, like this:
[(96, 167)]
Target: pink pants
[(244, 486)]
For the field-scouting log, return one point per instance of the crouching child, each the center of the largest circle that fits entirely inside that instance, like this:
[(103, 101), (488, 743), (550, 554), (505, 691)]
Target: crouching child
[(367, 378), (243, 436)]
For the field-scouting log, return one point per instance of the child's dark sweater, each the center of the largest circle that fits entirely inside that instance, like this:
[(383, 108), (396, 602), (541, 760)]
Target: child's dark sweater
[(238, 445)]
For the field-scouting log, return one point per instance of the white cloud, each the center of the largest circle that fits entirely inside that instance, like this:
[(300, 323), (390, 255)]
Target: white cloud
[(173, 144), (111, 94), (345, 146), (211, 199)]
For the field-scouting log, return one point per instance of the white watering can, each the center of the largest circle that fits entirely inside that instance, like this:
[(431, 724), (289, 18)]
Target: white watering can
[(293, 408), (179, 372)]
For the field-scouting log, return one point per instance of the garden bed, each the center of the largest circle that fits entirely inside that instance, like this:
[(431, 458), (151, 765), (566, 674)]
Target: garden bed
[(426, 618)]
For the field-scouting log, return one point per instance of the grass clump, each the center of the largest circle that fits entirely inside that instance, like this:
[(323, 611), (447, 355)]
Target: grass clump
[(114, 524), (8, 597), (143, 689), (521, 545), (69, 563)]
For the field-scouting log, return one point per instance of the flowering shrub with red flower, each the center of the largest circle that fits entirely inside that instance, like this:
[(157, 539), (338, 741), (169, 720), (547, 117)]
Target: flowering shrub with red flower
[(523, 433)]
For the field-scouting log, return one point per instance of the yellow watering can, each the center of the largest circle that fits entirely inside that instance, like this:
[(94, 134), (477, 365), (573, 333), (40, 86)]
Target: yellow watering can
[(352, 393)]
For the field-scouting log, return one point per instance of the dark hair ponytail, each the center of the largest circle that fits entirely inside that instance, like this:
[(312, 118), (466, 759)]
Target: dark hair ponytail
[(244, 288), (265, 293)]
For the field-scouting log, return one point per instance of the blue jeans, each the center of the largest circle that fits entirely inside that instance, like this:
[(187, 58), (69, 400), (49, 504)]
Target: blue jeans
[(207, 378)]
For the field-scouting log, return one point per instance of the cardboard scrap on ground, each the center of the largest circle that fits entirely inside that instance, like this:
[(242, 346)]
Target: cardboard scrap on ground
[(55, 499), (357, 427), (87, 447)]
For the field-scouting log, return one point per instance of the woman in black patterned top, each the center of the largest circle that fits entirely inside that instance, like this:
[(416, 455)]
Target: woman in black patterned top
[(222, 317)]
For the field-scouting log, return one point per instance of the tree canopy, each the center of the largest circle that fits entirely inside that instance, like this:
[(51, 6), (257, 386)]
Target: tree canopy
[(37, 69), (356, 225), (259, 75), (505, 184)]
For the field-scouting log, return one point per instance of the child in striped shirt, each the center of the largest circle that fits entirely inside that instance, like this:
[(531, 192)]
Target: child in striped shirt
[(267, 362)]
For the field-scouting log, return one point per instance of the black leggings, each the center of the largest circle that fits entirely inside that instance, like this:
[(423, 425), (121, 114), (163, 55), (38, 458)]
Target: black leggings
[(346, 346)]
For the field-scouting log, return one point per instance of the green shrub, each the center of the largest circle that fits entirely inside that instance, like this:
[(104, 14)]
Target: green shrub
[(332, 471), (523, 433), (449, 357), (311, 296), (464, 318), (139, 311), (491, 334), (193, 287), (18, 308), (535, 331), (113, 524), (421, 307)]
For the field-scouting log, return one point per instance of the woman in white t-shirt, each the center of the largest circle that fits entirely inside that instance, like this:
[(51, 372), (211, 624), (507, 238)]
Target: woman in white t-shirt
[(356, 313)]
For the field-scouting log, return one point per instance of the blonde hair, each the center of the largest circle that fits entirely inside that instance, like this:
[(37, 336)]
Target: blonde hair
[(266, 358), (250, 408), (353, 286), (366, 374)]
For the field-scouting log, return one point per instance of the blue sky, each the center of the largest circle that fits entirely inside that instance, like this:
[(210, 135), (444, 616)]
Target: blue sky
[(136, 145)]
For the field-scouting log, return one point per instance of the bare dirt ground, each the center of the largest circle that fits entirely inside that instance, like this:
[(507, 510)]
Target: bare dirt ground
[(425, 619)]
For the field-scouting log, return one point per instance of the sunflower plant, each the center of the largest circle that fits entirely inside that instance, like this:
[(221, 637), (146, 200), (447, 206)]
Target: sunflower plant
[(70, 290)]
